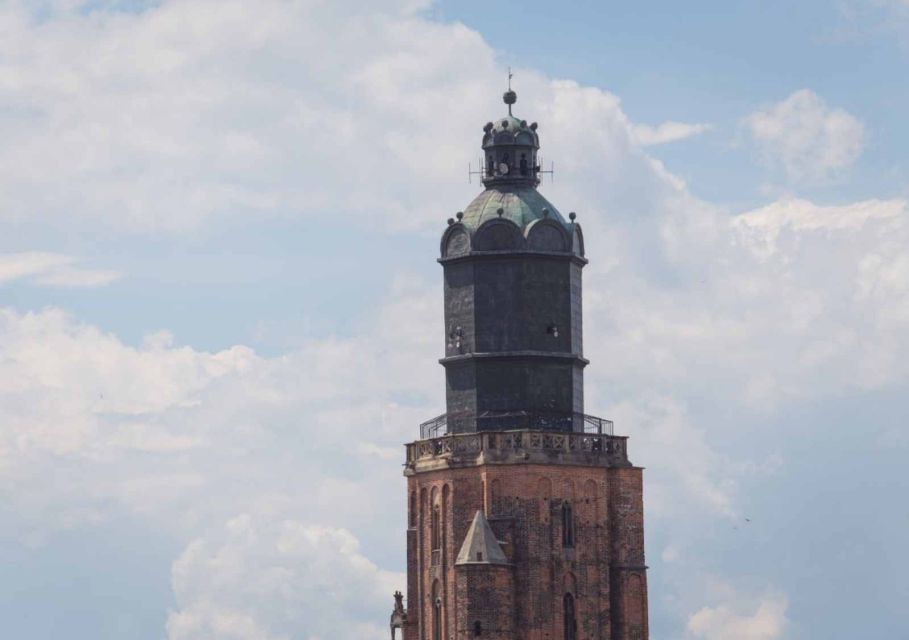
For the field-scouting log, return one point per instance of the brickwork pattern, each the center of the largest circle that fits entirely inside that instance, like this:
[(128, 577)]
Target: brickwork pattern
[(602, 566)]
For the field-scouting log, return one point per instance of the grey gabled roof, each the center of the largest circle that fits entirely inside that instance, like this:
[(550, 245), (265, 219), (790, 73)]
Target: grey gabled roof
[(480, 545)]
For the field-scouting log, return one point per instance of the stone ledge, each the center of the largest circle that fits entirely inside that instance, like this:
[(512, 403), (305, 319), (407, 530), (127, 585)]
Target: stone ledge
[(516, 447)]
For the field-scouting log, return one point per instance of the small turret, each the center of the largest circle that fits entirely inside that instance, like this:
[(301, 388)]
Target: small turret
[(484, 585), (480, 544), (510, 149)]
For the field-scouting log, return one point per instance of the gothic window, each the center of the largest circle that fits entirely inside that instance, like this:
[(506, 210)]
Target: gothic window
[(436, 612), (570, 620), (436, 528), (567, 525)]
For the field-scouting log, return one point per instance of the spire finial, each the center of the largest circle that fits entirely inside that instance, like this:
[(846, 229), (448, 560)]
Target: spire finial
[(510, 96)]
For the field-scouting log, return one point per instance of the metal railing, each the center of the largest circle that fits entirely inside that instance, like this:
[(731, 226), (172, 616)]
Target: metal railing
[(507, 421), (434, 428)]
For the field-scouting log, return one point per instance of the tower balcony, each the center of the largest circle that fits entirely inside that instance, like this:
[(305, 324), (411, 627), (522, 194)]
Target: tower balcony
[(512, 420), (531, 440)]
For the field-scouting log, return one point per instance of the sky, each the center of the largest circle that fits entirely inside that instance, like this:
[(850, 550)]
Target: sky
[(220, 310)]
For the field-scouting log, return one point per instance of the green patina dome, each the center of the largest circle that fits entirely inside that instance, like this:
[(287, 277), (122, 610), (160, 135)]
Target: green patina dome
[(511, 124), (520, 204)]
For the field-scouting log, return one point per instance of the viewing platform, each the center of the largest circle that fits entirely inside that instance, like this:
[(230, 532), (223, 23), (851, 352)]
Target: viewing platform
[(530, 440), (446, 424)]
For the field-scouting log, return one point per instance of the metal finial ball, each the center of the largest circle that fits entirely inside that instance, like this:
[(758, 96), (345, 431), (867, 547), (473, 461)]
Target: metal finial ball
[(510, 97), (545, 213), (450, 221), (572, 216), (459, 215), (500, 211)]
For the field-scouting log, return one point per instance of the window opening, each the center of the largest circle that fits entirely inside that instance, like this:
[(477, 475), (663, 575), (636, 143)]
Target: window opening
[(436, 612), (567, 525), (436, 528), (568, 612)]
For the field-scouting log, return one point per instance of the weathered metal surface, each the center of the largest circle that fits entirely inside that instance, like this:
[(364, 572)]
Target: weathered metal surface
[(520, 204)]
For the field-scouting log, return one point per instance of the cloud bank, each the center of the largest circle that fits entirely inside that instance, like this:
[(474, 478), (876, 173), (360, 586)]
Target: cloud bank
[(179, 119)]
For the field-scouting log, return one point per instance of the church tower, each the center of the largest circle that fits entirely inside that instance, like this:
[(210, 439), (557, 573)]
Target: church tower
[(525, 516)]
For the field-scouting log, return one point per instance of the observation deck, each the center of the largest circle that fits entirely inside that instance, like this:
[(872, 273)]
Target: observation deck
[(519, 438)]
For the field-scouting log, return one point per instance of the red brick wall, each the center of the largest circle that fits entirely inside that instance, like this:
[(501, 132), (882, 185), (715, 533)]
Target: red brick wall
[(484, 594), (629, 580), (523, 503)]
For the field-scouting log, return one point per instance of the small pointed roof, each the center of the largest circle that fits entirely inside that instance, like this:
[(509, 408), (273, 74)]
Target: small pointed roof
[(480, 545)]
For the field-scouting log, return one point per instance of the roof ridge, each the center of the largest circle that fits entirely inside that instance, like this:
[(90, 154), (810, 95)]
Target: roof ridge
[(480, 544)]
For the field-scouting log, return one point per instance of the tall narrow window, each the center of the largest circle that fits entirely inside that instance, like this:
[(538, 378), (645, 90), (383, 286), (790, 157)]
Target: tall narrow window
[(477, 629), (436, 612), (567, 525), (436, 528), (568, 614), (413, 509)]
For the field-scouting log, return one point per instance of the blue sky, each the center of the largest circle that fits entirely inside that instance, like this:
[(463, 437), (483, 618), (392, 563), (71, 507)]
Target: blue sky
[(220, 310)]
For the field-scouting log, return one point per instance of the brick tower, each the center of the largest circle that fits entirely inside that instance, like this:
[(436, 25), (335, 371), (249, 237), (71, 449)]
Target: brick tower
[(525, 516)]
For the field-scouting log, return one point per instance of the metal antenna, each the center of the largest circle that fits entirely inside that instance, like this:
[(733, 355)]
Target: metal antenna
[(509, 87), (479, 172)]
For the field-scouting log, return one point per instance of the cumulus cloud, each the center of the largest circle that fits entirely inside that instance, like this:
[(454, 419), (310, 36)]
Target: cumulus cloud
[(52, 269), (647, 135), (791, 300), (94, 427), (163, 118), (275, 579), (175, 117), (809, 139), (724, 622)]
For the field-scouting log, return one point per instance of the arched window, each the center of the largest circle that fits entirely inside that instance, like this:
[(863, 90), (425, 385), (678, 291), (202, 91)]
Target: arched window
[(568, 615), (436, 528), (567, 525), (436, 611), (477, 628), (413, 509)]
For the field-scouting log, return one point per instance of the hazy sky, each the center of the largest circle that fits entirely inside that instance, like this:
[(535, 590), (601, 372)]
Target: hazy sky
[(220, 310)]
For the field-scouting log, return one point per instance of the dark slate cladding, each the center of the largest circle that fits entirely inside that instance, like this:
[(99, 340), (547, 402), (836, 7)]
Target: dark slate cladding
[(512, 267), (513, 342)]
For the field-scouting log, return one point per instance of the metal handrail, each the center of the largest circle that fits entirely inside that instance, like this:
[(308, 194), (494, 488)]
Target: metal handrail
[(505, 421)]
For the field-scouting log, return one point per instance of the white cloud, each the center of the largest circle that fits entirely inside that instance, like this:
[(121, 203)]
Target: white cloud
[(763, 226), (662, 428), (180, 115), (811, 140), (792, 300), (647, 135), (51, 269), (164, 118), (727, 622), (93, 426), (275, 579)]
